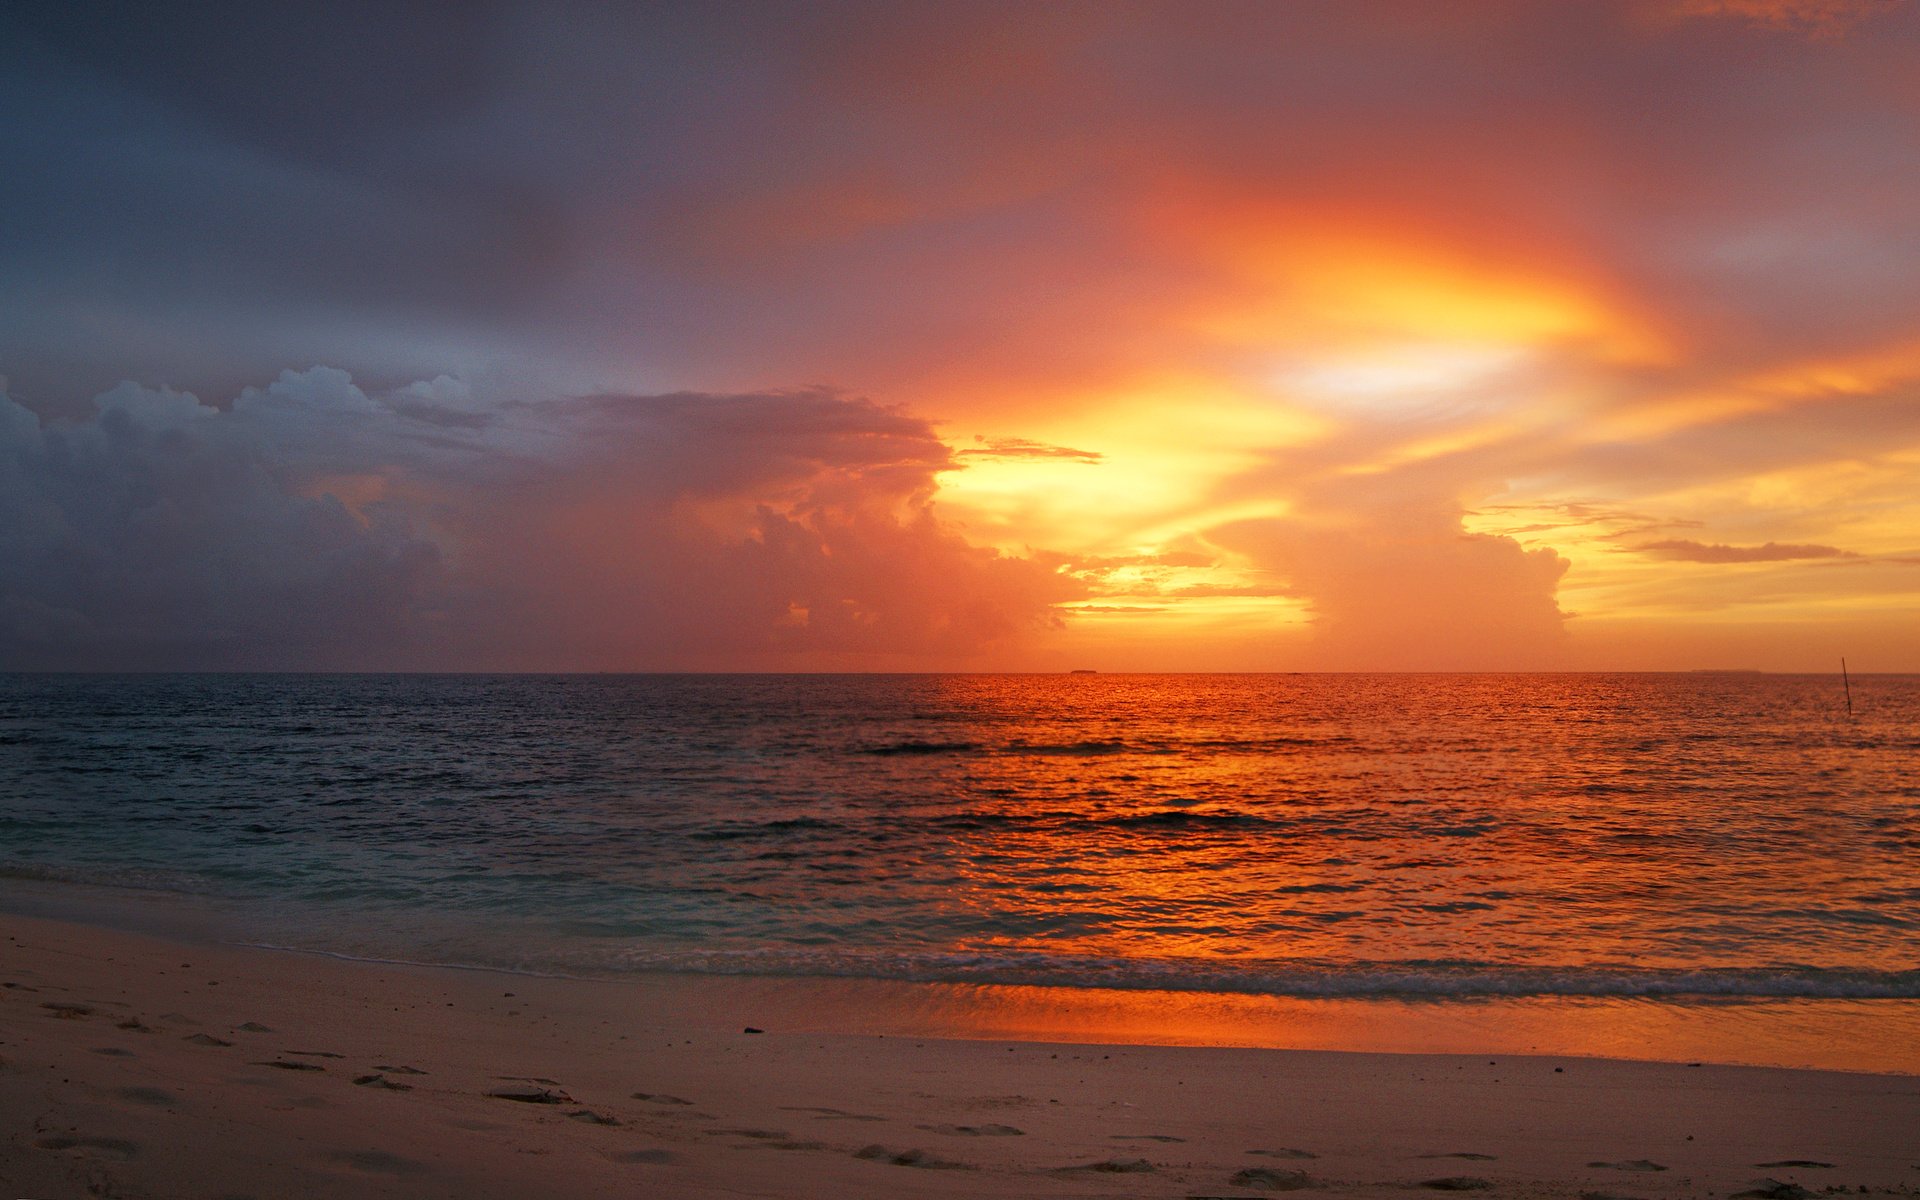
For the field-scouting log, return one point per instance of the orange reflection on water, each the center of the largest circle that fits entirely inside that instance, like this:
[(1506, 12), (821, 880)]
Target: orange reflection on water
[(1842, 1035)]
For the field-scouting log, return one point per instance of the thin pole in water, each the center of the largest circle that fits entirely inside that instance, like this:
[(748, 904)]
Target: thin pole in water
[(1846, 683)]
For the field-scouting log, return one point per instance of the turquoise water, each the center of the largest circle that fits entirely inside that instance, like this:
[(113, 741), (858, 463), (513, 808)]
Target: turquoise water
[(1690, 837)]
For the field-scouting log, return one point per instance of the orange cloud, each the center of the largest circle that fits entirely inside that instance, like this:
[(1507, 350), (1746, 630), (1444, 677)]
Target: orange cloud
[(1815, 18)]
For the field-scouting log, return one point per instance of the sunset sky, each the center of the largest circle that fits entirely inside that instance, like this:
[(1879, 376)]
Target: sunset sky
[(1188, 336)]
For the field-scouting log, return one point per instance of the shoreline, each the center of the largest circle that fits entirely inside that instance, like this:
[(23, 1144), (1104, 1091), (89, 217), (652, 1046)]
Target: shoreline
[(136, 1065), (1876, 1036)]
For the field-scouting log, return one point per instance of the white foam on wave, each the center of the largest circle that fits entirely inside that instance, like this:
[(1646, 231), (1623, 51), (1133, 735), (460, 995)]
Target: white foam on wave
[(1301, 980)]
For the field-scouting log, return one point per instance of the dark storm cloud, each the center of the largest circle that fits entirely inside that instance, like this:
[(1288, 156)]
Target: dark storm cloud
[(684, 192), (310, 524), (217, 190)]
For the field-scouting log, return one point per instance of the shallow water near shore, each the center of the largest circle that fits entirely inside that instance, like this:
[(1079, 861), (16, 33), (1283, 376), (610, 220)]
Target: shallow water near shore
[(1632, 860)]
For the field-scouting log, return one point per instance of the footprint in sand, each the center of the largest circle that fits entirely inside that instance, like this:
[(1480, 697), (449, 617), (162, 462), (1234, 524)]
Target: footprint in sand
[(1457, 1183), (398, 1070), (1284, 1152), (377, 1162), (974, 1130), (825, 1114), (1635, 1164), (313, 1054), (204, 1039), (1797, 1162), (640, 1156), (1469, 1155), (587, 1116), (253, 1027), (1109, 1166), (67, 1012), (117, 1149), (659, 1098), (114, 1052), (910, 1158), (765, 1135), (284, 1065), (1272, 1180), (531, 1095), (1146, 1137), (157, 1097), (381, 1082)]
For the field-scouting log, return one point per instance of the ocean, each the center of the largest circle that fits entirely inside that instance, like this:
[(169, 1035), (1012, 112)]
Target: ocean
[(1677, 838)]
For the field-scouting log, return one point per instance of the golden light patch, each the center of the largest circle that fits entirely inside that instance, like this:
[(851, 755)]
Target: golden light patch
[(1346, 284), (1164, 445)]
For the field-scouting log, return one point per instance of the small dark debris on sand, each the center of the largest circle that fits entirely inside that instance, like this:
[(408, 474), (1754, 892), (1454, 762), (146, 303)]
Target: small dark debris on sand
[(659, 1098), (751, 1029), (531, 1095), (381, 1082), (314, 1054), (1457, 1183), (283, 1065), (134, 1024), (909, 1158), (1773, 1189), (1272, 1179), (68, 1012), (588, 1117), (205, 1039), (1111, 1166), (1469, 1155), (398, 1070), (1632, 1164), (975, 1130), (1796, 1162)]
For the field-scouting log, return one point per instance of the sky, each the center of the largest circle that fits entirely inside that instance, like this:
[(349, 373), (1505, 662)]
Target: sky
[(1203, 335)]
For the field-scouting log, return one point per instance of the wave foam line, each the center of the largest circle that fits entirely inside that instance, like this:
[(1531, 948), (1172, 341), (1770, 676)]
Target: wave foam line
[(1294, 979)]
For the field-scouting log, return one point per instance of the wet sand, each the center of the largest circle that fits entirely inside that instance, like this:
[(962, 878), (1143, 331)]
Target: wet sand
[(132, 1065)]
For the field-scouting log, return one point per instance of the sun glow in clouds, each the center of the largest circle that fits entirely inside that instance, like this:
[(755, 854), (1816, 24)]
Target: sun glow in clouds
[(1399, 378), (1380, 336)]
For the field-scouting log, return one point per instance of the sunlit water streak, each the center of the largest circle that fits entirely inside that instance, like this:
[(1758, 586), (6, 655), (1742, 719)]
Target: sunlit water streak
[(1686, 837)]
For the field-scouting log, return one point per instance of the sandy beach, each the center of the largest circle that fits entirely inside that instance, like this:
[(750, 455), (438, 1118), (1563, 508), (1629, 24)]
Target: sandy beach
[(138, 1066)]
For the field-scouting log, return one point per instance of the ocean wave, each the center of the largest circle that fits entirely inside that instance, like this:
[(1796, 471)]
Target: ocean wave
[(918, 748), (1407, 980), (126, 877), (1100, 748), (1080, 749)]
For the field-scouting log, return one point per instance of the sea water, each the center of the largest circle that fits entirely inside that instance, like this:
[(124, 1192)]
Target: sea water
[(1686, 838)]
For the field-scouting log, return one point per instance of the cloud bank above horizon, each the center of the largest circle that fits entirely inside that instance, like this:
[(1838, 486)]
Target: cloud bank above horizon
[(1401, 336)]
